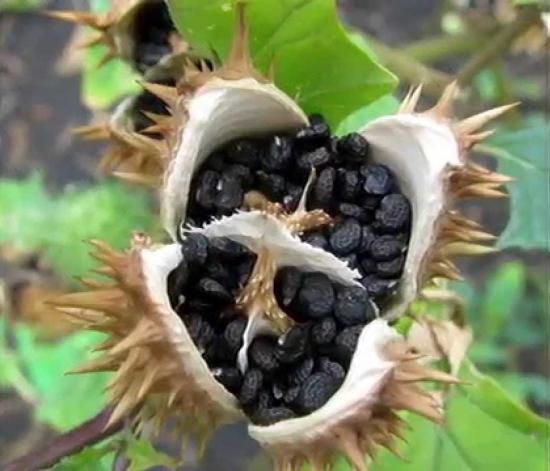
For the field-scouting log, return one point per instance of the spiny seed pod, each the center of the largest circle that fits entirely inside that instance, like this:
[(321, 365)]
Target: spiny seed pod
[(293, 249), (140, 32)]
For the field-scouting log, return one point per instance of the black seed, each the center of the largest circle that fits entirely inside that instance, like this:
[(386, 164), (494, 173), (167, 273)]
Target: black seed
[(378, 179), (314, 159), (317, 130), (220, 272), (390, 268), (345, 237), (368, 266), (244, 270), (291, 395), (352, 306), (216, 162), (370, 202), (271, 185), (377, 288), (206, 335), (316, 391), (219, 353), (316, 296), (350, 260), (241, 173), (394, 213), (244, 152), (277, 391), (353, 146), (193, 324), (348, 184), (252, 384), (323, 332), (230, 377), (227, 249), (194, 249), (385, 248), (353, 211), (230, 194), (317, 240), (293, 344), (177, 281), (224, 317), (278, 154), (233, 334), (346, 343), (287, 283), (213, 291), (262, 353), (302, 372), (207, 189), (367, 236), (264, 400), (326, 365), (324, 187), (292, 197), (273, 415)]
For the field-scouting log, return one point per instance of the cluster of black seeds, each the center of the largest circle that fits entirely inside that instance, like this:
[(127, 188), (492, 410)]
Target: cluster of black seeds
[(371, 217), (298, 372), (152, 28), (147, 102), (202, 289)]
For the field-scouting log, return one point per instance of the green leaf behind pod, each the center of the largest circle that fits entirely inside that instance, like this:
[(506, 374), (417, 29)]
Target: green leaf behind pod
[(315, 60)]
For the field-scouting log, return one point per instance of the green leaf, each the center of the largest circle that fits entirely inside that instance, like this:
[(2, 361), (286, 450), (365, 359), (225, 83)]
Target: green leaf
[(315, 60), (384, 106), (143, 455), (58, 225), (485, 430), (92, 458), (103, 86), (523, 154)]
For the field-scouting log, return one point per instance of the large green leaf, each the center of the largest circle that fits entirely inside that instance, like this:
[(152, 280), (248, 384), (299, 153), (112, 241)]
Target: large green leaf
[(485, 430), (315, 60), (57, 225), (384, 106), (98, 458), (523, 153), (143, 455)]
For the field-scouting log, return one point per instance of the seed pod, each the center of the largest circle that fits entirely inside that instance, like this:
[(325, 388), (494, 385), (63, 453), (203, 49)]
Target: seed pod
[(426, 155)]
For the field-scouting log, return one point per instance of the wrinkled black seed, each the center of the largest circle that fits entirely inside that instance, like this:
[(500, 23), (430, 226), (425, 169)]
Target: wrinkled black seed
[(262, 353), (273, 415), (216, 162), (278, 154), (194, 249), (314, 159), (265, 400), (378, 179), (390, 268), (316, 391), (230, 377), (346, 342), (352, 306), (370, 202), (350, 260), (291, 395), (241, 173), (323, 332), (193, 324), (177, 281), (213, 291), (233, 334), (220, 272), (348, 184), (317, 240), (287, 283), (277, 391), (292, 196), (251, 386), (367, 265), (230, 194), (302, 371), (271, 185), (385, 247), (292, 346), (394, 213), (367, 236), (318, 130), (354, 147), (316, 296), (244, 152), (377, 288), (350, 210), (324, 187), (326, 365), (207, 189), (194, 303), (227, 249), (345, 237), (244, 270)]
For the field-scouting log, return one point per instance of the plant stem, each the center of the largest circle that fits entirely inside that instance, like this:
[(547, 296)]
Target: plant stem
[(69, 443), (526, 17)]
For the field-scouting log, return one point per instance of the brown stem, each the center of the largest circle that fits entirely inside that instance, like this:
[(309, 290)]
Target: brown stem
[(87, 434), (526, 17)]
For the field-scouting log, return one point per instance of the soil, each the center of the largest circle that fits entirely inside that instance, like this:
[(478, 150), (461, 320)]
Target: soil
[(38, 108)]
